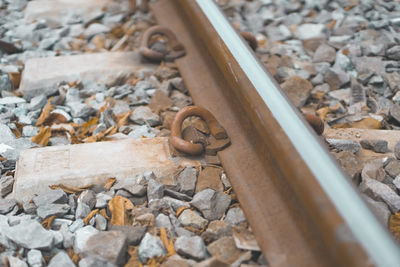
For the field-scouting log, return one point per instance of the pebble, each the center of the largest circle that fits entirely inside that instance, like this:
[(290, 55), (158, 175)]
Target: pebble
[(47, 210), (344, 145), (393, 168), (191, 247), (35, 258), (187, 181), (297, 89), (309, 31), (82, 235), (378, 146), (61, 259), (6, 185), (209, 177), (149, 247), (192, 219), (16, 262), (224, 249), (397, 150), (155, 190), (94, 261), (30, 234), (142, 115), (94, 29), (133, 234), (380, 210), (211, 203), (235, 216), (56, 196), (324, 53), (7, 205), (379, 191), (99, 244)]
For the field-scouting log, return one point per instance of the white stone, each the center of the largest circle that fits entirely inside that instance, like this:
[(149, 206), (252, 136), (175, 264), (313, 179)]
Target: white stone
[(82, 235), (308, 31), (94, 163), (98, 67)]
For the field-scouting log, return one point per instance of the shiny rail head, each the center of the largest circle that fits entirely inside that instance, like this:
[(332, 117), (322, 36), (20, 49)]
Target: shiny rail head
[(362, 223)]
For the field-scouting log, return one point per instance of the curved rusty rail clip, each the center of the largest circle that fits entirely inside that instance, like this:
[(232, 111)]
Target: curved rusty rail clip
[(177, 48), (188, 147)]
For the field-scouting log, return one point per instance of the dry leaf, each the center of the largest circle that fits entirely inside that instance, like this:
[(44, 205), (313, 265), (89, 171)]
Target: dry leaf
[(103, 213), (110, 182), (120, 209), (86, 127), (180, 210), (15, 79), (367, 123), (45, 113), (134, 257), (155, 261), (168, 243), (122, 119), (55, 118), (71, 189), (90, 216), (43, 137), (394, 225), (73, 256), (47, 223)]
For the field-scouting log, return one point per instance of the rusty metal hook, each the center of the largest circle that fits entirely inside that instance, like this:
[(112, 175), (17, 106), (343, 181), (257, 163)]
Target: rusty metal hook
[(177, 51), (185, 146)]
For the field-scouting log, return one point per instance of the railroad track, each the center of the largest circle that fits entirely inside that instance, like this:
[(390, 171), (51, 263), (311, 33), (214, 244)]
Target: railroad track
[(299, 204)]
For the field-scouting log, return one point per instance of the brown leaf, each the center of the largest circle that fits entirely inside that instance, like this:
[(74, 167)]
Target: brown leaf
[(86, 127), (71, 189), (168, 243), (55, 118), (394, 225), (180, 210), (120, 209), (15, 79), (45, 112), (134, 257), (110, 182), (122, 119), (73, 256), (90, 216), (47, 223), (43, 137), (367, 123), (103, 212)]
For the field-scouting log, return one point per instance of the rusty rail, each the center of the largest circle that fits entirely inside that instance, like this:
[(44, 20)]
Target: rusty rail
[(303, 210)]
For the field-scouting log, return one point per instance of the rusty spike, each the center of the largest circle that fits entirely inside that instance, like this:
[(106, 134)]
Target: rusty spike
[(177, 48), (251, 40), (316, 123), (176, 136)]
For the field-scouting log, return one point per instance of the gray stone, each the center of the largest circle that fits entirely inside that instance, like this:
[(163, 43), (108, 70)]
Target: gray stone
[(177, 195), (380, 210), (56, 196), (6, 185), (343, 145), (175, 204), (82, 210), (191, 247), (394, 112), (76, 225), (30, 234), (373, 169), (394, 52), (61, 259), (6, 134), (88, 197), (187, 181), (142, 131), (10, 100), (68, 237), (34, 258), (29, 131), (101, 222), (7, 205), (396, 182), (100, 244), (102, 200), (16, 262), (142, 115), (308, 31), (81, 110), (47, 210), (235, 216), (175, 261), (136, 190), (224, 249), (163, 221), (94, 29), (379, 191), (336, 78), (5, 82), (82, 235), (149, 247), (324, 53), (192, 219), (155, 190), (393, 168), (211, 203), (378, 146), (134, 234), (214, 262), (94, 261), (58, 238), (38, 102)]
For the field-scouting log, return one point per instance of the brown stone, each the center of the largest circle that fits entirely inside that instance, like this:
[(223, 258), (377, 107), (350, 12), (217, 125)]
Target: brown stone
[(351, 164), (159, 102), (297, 89), (225, 250), (216, 145), (209, 177), (168, 118), (192, 135)]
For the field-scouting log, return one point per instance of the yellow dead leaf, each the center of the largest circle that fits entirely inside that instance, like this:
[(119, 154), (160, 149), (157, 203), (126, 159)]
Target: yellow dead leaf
[(155, 261), (180, 210), (121, 209), (394, 225), (15, 79), (168, 243), (110, 182), (86, 127), (45, 113), (103, 213), (47, 223), (134, 257), (73, 256), (122, 119), (71, 189), (43, 137), (90, 216), (367, 123)]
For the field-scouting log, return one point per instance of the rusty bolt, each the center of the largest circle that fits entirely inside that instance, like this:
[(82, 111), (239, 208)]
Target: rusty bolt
[(251, 40), (316, 123), (177, 48), (185, 146)]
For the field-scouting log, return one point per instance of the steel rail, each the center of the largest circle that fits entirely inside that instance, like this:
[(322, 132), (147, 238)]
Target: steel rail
[(300, 205)]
